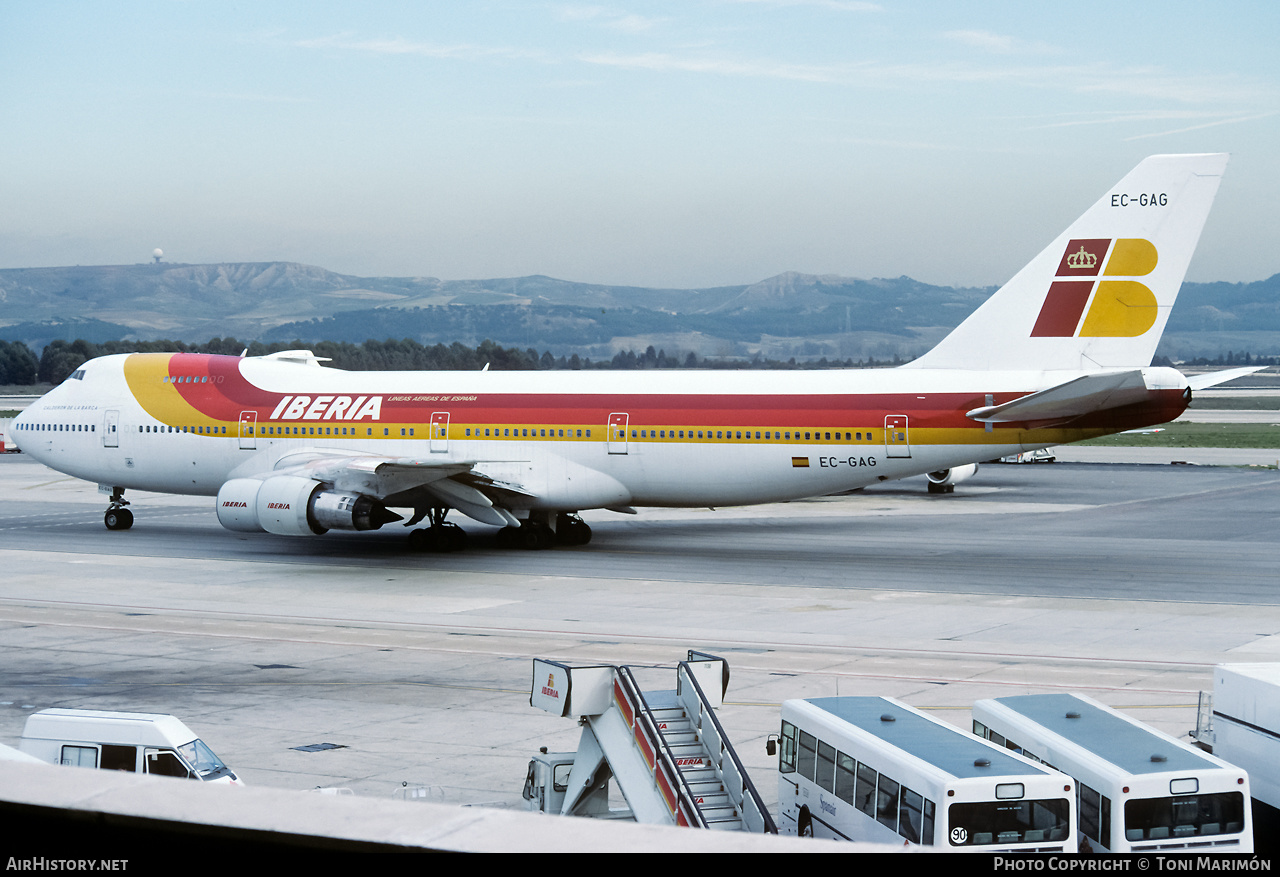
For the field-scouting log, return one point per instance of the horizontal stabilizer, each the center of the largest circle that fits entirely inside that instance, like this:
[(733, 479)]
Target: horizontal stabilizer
[(1081, 396), (1213, 379)]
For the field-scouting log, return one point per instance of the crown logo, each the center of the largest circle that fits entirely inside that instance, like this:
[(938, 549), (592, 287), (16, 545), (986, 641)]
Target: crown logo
[(1082, 259)]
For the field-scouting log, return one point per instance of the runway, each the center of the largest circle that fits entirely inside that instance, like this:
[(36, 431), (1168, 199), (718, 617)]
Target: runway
[(1125, 582)]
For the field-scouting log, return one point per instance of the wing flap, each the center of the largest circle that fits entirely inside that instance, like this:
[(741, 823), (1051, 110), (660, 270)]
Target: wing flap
[(456, 484)]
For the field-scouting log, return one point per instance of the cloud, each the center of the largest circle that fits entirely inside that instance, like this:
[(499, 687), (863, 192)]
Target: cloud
[(402, 46), (662, 62), (1231, 121), (839, 5), (1000, 44), (612, 19)]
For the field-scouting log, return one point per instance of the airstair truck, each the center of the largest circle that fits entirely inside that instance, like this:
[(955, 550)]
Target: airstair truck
[(144, 743), (665, 750)]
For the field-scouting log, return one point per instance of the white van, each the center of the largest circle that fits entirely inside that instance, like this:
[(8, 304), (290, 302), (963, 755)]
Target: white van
[(135, 742)]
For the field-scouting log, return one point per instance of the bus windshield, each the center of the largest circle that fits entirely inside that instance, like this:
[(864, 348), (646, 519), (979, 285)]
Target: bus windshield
[(1183, 816), (1008, 822)]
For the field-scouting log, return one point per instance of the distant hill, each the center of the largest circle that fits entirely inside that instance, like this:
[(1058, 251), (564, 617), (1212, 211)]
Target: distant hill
[(793, 314)]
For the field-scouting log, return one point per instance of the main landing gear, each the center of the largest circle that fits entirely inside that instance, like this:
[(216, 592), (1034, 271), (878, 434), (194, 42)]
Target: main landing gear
[(440, 537), (117, 516), (537, 532)]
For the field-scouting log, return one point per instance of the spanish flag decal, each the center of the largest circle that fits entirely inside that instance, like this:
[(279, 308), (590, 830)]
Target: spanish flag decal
[(800, 462)]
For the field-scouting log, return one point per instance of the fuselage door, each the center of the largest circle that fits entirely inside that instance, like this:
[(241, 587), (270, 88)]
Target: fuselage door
[(439, 432), (896, 441), (617, 435), (111, 429), (248, 430)]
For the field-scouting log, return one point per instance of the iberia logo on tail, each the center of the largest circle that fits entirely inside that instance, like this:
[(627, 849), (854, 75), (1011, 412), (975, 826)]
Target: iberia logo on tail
[(1117, 308)]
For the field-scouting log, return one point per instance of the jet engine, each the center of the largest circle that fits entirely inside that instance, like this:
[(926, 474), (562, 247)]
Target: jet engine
[(945, 480), (290, 505)]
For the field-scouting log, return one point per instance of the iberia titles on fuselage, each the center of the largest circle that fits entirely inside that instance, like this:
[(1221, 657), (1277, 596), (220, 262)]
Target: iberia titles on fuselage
[(1057, 355)]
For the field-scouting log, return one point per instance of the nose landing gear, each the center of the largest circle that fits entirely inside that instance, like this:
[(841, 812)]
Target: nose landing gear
[(117, 516)]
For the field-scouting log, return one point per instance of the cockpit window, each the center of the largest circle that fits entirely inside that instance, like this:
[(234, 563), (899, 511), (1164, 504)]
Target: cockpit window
[(77, 375)]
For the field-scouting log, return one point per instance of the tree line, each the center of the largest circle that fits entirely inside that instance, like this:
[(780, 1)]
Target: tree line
[(19, 366)]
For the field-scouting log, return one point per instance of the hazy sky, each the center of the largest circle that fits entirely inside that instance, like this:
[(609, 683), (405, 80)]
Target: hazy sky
[(691, 143)]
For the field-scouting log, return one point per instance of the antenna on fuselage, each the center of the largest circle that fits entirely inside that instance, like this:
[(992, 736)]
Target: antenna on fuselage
[(486, 367), (244, 353)]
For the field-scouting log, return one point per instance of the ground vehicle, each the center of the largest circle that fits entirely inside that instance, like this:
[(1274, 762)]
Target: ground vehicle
[(663, 750), (7, 444), (1244, 729), (1041, 455), (136, 742), (872, 769), (1139, 789)]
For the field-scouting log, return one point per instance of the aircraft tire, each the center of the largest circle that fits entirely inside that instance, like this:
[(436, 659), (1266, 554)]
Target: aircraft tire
[(455, 537), (536, 537), (118, 519), (572, 533), (438, 539)]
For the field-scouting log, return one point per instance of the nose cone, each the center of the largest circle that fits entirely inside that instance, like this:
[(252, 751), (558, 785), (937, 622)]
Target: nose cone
[(17, 427), (23, 428)]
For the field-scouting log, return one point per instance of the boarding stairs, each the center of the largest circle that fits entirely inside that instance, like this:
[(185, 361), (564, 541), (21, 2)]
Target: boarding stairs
[(666, 750)]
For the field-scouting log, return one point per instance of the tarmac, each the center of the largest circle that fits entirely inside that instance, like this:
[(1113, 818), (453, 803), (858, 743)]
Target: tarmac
[(1126, 581)]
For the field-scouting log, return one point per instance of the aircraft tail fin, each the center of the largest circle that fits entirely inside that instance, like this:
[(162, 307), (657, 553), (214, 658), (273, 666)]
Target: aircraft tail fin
[(1099, 296)]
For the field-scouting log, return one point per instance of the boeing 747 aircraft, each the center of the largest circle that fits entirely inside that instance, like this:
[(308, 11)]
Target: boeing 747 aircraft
[(1060, 353)]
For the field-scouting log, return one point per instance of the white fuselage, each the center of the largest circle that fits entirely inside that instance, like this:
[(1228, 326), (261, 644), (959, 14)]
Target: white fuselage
[(566, 440)]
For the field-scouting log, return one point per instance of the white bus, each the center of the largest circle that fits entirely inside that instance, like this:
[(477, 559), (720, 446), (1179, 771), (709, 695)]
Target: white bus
[(874, 770), (1139, 789)]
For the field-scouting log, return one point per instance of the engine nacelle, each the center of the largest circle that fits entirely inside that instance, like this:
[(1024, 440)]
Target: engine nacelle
[(945, 480), (289, 505)]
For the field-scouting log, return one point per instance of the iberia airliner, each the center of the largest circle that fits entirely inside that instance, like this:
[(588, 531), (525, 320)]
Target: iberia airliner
[(1060, 353)]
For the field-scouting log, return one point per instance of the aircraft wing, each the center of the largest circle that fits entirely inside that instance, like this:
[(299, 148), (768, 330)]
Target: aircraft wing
[(410, 481), (1075, 398)]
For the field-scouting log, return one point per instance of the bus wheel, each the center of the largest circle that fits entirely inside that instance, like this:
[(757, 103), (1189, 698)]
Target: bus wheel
[(804, 824)]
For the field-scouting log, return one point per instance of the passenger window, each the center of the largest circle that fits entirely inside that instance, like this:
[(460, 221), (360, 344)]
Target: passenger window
[(808, 755), (864, 796), (80, 756), (826, 776), (846, 773), (911, 816), (887, 803)]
